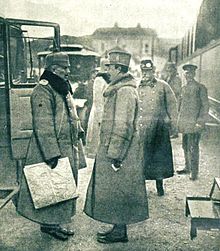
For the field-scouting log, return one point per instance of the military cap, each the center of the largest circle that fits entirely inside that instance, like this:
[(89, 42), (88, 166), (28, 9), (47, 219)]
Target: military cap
[(103, 63), (147, 64), (119, 58), (57, 58), (189, 67)]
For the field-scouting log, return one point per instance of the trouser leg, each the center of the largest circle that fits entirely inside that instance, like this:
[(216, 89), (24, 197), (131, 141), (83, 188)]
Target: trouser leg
[(186, 149), (159, 185), (195, 155), (120, 229)]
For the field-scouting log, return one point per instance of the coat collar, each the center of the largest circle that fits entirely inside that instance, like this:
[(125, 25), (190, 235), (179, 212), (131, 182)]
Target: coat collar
[(121, 81), (104, 75), (58, 84), (150, 83)]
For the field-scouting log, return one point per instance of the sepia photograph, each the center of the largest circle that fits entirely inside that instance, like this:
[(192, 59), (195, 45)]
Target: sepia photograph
[(110, 125)]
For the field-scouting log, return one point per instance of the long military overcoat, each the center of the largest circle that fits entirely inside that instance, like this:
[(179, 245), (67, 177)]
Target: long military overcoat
[(52, 137), (157, 117), (118, 197)]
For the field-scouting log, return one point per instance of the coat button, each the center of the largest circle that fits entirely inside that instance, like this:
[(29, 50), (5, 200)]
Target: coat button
[(140, 117)]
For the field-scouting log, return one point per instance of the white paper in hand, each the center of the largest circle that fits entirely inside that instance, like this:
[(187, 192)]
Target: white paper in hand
[(50, 186)]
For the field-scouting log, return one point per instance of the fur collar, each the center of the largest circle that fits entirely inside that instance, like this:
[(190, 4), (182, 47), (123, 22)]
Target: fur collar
[(58, 84), (104, 75), (121, 81)]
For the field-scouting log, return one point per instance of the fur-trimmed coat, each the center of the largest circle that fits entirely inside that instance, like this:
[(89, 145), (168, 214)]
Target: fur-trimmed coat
[(53, 135), (118, 197)]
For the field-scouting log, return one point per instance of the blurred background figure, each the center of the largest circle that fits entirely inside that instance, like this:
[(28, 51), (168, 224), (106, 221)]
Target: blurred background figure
[(100, 83), (170, 75), (84, 92)]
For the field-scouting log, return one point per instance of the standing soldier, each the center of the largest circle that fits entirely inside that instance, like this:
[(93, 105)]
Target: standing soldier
[(157, 118), (116, 192), (170, 75), (193, 112), (55, 135)]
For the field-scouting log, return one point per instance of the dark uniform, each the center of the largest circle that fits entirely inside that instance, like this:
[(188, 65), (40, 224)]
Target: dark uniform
[(157, 118), (193, 112)]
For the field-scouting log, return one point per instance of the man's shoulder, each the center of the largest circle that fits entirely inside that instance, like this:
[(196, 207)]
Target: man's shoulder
[(42, 89), (200, 85), (162, 84), (128, 88)]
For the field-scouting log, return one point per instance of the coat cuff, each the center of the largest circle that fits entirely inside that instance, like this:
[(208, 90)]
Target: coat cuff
[(118, 147)]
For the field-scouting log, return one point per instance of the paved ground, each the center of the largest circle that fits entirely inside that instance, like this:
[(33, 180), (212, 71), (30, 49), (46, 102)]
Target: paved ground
[(167, 228)]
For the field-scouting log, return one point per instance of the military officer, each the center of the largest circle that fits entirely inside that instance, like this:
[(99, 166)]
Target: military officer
[(116, 192), (193, 112), (56, 134), (157, 118)]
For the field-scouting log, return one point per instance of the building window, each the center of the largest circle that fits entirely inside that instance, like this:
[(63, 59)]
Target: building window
[(102, 46), (146, 48)]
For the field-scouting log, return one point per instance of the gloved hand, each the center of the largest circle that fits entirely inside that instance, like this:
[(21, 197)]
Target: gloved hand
[(116, 163), (52, 163), (173, 133), (81, 135)]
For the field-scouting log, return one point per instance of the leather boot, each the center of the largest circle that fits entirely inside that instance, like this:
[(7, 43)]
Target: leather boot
[(101, 234), (159, 185), (117, 234), (53, 231)]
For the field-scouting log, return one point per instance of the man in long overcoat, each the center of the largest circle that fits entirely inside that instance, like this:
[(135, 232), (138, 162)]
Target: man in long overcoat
[(157, 119), (193, 113), (55, 135), (116, 192)]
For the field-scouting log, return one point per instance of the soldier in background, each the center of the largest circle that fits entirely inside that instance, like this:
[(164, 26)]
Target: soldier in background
[(84, 91), (100, 83), (193, 113), (157, 118), (170, 75)]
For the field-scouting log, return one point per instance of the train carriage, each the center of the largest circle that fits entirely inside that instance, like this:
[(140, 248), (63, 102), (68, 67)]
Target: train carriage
[(201, 46)]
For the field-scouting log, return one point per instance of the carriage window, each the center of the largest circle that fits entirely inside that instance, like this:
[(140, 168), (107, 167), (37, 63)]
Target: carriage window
[(25, 43)]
